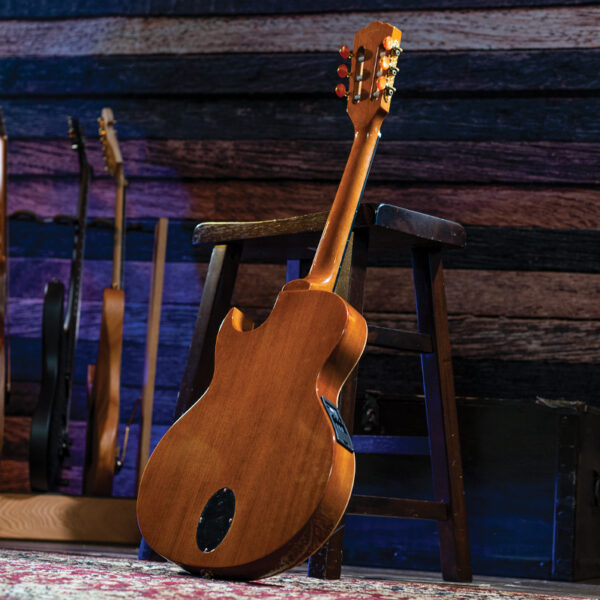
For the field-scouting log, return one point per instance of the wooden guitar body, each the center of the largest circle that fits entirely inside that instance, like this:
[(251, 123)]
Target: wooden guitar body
[(104, 398), (48, 422), (103, 409), (262, 431), (257, 474)]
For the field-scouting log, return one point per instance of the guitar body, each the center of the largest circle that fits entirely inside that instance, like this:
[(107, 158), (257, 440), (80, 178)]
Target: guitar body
[(257, 474), (103, 420), (262, 431), (49, 441), (48, 421)]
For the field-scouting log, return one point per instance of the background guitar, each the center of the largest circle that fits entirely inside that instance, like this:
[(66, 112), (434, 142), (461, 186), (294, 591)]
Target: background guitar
[(257, 474), (49, 425), (104, 400), (4, 351)]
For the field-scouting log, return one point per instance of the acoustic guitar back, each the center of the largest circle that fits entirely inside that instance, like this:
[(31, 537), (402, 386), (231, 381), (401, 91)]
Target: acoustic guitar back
[(263, 432), (257, 474)]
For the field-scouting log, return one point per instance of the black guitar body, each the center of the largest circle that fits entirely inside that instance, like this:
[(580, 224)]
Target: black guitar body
[(49, 441), (48, 424)]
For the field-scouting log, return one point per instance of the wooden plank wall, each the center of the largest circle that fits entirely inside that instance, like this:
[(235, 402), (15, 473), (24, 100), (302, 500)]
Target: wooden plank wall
[(225, 111)]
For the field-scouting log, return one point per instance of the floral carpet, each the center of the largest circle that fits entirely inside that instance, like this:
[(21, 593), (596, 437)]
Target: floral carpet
[(32, 575)]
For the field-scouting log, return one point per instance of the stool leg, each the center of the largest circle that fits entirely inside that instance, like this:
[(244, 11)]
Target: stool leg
[(440, 401), (326, 563), (214, 304)]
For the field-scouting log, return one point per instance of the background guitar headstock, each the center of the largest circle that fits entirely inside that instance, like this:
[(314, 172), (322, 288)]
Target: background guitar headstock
[(77, 137), (372, 72), (110, 146)]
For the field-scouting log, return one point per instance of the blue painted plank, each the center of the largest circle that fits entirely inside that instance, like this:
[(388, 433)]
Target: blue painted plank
[(411, 119), (501, 248), (176, 75), (389, 444)]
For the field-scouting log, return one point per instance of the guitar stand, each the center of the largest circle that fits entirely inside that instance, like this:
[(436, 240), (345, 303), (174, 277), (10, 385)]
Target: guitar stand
[(380, 232)]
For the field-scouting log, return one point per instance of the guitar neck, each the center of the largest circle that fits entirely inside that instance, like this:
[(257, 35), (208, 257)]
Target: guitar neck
[(3, 219), (119, 233), (74, 301), (330, 252)]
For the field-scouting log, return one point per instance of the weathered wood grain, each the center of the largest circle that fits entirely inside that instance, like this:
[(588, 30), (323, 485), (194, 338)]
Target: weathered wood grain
[(24, 396), (495, 205), (499, 248), (55, 239), (16, 441), (174, 75), (306, 160), (492, 293), (26, 362), (504, 338), (435, 119), (528, 249), (486, 378), (183, 281), (555, 27), (14, 476), (28, 9), (476, 292)]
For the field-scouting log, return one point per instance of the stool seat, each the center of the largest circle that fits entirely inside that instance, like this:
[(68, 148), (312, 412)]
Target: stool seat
[(390, 228)]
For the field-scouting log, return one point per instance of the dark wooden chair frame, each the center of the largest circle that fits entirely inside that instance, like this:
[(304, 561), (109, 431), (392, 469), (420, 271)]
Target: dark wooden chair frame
[(379, 230)]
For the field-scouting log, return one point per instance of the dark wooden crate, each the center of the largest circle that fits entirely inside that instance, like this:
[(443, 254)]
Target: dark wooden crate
[(532, 484)]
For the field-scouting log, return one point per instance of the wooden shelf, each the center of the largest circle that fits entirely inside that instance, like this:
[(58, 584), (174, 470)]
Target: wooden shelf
[(68, 518)]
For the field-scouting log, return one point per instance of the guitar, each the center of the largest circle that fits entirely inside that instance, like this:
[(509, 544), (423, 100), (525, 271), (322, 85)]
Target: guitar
[(257, 474), (4, 354), (49, 443), (104, 401)]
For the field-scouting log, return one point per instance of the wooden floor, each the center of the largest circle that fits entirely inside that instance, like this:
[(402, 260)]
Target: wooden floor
[(581, 588)]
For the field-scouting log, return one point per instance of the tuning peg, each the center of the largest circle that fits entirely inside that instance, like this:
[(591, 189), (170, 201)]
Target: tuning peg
[(389, 43), (341, 91), (385, 62), (381, 82), (345, 52), (343, 71)]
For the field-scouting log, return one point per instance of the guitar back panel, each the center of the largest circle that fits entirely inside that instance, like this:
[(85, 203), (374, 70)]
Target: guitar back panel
[(262, 431)]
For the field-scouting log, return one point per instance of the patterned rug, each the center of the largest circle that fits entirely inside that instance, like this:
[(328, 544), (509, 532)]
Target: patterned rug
[(28, 575)]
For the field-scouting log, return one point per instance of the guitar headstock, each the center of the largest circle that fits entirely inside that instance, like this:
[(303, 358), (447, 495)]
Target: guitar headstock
[(110, 146), (372, 72), (77, 138)]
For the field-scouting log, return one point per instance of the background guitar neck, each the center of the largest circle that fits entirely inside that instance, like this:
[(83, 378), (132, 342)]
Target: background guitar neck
[(4, 363), (119, 232), (71, 325)]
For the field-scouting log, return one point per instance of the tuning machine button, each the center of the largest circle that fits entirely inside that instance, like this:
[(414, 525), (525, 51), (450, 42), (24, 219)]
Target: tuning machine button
[(345, 52), (391, 45), (385, 62), (381, 83), (341, 91), (343, 71)]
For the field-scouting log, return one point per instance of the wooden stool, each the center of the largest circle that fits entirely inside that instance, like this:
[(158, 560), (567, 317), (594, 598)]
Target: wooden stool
[(380, 233)]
